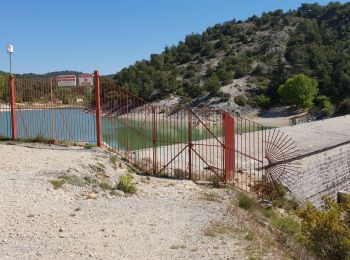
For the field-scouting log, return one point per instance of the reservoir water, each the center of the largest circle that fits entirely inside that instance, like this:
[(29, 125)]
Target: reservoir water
[(75, 124)]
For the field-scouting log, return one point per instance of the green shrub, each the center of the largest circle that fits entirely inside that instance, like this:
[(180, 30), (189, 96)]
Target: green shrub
[(299, 90), (212, 85), (88, 146), (74, 180), (225, 77), (189, 74), (263, 101), (57, 183), (125, 184), (241, 100), (286, 224), (113, 160), (224, 97), (327, 231), (184, 100), (37, 139), (259, 70), (344, 107), (250, 237), (268, 213), (245, 202), (105, 186), (193, 90), (325, 105)]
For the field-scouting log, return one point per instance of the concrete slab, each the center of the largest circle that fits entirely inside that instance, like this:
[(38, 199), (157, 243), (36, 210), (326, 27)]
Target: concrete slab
[(318, 135)]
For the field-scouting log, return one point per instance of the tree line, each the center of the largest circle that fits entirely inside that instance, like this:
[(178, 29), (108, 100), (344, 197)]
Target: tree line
[(318, 47)]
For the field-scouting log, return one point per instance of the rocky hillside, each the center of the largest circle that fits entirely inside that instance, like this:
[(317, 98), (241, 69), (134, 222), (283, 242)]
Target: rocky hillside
[(243, 62)]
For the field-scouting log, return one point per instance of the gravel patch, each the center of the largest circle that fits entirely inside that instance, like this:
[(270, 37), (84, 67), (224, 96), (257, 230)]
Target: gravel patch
[(165, 219)]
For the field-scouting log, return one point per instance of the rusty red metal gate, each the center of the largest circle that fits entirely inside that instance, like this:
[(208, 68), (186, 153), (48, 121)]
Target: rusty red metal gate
[(190, 143)]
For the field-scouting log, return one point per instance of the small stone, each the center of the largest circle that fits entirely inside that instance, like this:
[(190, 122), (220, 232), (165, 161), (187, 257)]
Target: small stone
[(266, 203), (91, 196)]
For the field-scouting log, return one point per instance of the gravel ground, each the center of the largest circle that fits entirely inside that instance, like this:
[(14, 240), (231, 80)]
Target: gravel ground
[(165, 219)]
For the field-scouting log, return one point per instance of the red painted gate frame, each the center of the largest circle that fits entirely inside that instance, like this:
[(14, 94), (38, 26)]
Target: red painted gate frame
[(229, 146)]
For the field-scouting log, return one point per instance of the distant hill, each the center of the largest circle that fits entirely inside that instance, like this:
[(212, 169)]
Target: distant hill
[(242, 61), (53, 74)]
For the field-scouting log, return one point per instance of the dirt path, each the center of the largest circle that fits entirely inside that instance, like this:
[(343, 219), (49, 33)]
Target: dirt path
[(276, 117), (166, 219)]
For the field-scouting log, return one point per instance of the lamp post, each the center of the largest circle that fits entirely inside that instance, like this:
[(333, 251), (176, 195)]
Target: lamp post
[(10, 51), (12, 95)]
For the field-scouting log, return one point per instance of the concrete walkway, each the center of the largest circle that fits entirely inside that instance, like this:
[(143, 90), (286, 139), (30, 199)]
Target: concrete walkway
[(319, 135)]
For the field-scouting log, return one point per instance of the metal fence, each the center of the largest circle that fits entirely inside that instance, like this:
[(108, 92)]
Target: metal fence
[(190, 143), (42, 110), (5, 111)]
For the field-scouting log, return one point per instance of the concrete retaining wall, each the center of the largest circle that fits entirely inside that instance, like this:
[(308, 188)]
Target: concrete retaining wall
[(322, 174)]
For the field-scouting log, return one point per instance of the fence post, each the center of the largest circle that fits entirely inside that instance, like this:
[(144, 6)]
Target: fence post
[(154, 130), (229, 145), (98, 107), (13, 106), (190, 144)]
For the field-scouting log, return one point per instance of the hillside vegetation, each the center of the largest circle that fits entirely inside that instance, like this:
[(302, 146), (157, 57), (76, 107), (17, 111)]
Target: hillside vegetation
[(263, 52)]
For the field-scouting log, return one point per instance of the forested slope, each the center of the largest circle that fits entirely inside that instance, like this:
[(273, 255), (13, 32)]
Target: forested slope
[(264, 51)]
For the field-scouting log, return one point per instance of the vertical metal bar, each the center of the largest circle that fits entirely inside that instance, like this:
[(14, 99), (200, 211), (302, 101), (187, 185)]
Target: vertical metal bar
[(13, 106), (98, 107), (228, 145), (154, 131), (190, 144), (233, 147)]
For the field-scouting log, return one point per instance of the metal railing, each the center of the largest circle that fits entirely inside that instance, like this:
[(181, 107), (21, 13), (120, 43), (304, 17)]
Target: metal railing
[(190, 143)]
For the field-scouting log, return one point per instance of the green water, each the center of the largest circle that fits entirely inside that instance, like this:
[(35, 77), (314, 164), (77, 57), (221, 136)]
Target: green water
[(77, 125), (58, 124), (139, 134)]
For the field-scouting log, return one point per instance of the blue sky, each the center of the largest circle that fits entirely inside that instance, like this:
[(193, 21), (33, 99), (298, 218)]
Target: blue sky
[(107, 35)]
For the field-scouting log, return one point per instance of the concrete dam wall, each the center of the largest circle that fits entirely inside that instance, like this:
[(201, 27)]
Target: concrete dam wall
[(324, 159)]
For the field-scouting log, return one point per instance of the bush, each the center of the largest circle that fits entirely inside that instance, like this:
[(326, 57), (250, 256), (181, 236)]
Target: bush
[(213, 85), (189, 74), (57, 183), (88, 146), (325, 105), (327, 231), (241, 100), (344, 107), (245, 202), (125, 184), (299, 90), (193, 90), (286, 224), (225, 77), (263, 101), (224, 97), (259, 70)]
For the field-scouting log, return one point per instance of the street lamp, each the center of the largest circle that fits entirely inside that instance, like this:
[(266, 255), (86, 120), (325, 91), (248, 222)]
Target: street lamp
[(10, 51)]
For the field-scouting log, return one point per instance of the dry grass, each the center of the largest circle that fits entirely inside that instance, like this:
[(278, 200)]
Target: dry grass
[(218, 229), (211, 196), (176, 247), (57, 183), (268, 230)]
